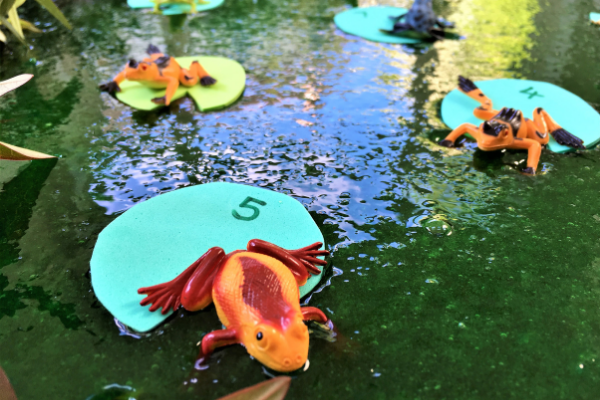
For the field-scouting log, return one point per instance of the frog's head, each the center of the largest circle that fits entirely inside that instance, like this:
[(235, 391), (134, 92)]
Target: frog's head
[(496, 134), (283, 349), (141, 71)]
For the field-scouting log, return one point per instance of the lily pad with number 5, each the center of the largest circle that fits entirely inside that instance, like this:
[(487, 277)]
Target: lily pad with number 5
[(566, 108), (156, 240)]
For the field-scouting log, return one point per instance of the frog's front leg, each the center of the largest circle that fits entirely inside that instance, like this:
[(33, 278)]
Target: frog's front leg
[(301, 261), (213, 340), (172, 86), (192, 288), (113, 86)]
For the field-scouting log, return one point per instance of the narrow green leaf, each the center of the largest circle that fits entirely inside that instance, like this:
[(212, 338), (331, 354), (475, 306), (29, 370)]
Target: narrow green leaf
[(6, 390), (13, 83), (13, 17), (6, 5), (12, 29), (2, 37), (28, 25), (273, 389), (52, 9)]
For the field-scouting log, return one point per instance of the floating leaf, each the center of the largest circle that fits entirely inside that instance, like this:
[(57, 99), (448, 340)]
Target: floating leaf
[(6, 390), (304, 122), (52, 9), (273, 389), (13, 83), (10, 152)]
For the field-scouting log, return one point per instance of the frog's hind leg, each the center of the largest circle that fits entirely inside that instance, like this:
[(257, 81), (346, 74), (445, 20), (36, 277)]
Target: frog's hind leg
[(192, 288), (544, 125), (191, 76), (534, 150), (450, 140), (485, 111), (301, 261)]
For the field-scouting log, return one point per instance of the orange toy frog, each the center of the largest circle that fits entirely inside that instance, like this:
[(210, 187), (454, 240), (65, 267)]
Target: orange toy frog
[(509, 129), (256, 296), (160, 71)]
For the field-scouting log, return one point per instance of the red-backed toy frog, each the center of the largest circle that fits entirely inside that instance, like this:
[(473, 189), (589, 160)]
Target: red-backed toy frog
[(160, 71), (256, 296)]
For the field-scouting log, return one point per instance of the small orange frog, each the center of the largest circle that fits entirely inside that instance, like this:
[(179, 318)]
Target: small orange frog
[(509, 129), (256, 295), (160, 71)]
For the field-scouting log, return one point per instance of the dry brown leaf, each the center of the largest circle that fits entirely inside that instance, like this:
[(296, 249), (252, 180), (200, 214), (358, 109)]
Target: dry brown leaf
[(13, 83), (273, 389), (6, 390), (10, 152)]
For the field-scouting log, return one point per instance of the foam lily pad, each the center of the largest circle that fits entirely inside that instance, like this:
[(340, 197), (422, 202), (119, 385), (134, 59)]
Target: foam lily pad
[(231, 82), (175, 8), (156, 240), (567, 109), (366, 22)]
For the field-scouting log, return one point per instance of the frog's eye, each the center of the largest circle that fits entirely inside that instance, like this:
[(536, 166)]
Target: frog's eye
[(259, 336)]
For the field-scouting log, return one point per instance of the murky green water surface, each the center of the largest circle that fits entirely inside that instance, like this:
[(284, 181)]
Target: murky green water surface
[(461, 278)]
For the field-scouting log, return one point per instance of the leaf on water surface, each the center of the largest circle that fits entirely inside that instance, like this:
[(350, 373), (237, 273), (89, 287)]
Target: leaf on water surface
[(273, 389), (13, 83), (6, 390), (52, 9)]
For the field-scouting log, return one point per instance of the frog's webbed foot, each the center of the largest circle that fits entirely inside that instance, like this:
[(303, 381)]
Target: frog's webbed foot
[(207, 81), (438, 34), (308, 256), (160, 100), (528, 171), (446, 143), (567, 139), (110, 87)]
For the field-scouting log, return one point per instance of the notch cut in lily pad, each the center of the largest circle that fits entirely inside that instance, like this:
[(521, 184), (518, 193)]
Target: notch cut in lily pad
[(176, 8), (231, 82), (567, 109), (154, 241)]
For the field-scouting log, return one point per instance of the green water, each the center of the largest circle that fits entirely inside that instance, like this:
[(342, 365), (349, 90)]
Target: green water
[(462, 279)]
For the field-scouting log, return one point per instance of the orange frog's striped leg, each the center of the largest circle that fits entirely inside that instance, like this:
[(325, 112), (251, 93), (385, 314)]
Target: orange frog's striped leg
[(194, 74), (113, 86), (486, 110), (534, 150), (544, 125), (458, 132), (301, 261), (192, 288)]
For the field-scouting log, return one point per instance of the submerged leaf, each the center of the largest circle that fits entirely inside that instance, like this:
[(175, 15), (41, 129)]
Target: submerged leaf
[(273, 389), (13, 83), (6, 390), (52, 9)]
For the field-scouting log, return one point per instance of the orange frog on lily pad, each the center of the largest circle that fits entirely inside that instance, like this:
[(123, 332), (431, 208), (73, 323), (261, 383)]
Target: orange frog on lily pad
[(256, 296), (160, 71)]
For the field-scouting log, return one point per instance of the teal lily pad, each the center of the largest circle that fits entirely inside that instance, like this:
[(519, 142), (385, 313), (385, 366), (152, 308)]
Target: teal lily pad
[(231, 82), (567, 109), (156, 240)]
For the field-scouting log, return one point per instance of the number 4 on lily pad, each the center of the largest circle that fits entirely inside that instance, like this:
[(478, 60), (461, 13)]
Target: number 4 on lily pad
[(231, 82)]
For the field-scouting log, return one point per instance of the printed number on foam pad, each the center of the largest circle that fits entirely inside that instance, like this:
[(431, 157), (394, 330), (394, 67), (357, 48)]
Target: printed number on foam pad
[(255, 210)]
